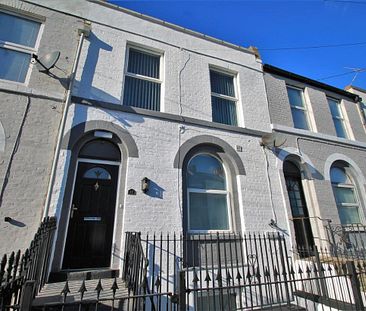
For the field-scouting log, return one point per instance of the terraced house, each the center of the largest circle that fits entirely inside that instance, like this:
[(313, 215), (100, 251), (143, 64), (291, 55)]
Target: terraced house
[(174, 170)]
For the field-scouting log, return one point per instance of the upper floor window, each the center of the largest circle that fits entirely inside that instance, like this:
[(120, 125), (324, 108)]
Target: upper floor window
[(143, 80), (18, 40), (363, 112), (338, 118), (208, 197), (223, 98), (345, 193), (299, 110)]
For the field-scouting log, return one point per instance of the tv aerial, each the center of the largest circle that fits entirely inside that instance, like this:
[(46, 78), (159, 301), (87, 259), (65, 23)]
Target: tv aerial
[(46, 62), (356, 71), (271, 140)]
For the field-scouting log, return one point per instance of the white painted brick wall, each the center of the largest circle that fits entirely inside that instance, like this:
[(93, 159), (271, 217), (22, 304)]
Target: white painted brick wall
[(157, 142)]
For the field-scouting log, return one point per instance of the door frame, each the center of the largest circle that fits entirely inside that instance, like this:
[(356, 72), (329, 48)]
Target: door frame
[(94, 161)]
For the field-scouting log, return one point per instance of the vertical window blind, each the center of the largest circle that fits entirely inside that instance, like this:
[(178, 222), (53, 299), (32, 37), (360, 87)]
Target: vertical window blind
[(142, 81), (223, 98)]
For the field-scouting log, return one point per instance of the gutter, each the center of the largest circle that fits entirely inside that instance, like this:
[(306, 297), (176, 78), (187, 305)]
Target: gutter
[(83, 33), (294, 76)]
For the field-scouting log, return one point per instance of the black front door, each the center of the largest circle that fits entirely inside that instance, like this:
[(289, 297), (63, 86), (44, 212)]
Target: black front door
[(90, 230), (303, 233)]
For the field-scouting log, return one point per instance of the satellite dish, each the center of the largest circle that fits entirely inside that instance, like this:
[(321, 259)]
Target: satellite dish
[(272, 140), (48, 61)]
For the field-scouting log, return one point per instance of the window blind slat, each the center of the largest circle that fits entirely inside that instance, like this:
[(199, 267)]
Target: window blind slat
[(222, 84), (140, 93), (144, 64), (223, 111)]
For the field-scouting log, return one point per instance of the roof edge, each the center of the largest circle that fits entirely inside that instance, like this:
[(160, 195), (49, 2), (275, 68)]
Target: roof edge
[(173, 26), (360, 89), (294, 76)]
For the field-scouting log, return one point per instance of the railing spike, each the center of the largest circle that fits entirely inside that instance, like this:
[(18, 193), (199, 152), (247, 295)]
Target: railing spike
[(65, 291), (195, 278), (16, 264), (228, 276), (4, 260), (238, 276), (308, 270), (266, 273), (10, 266), (82, 290), (300, 270), (248, 275), (99, 288), (258, 274), (114, 287), (207, 278), (218, 277)]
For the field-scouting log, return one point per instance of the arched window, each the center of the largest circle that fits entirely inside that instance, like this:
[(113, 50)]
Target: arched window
[(208, 197), (97, 173), (345, 194)]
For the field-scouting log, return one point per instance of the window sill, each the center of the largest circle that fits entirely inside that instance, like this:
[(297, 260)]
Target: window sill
[(317, 135), (167, 116)]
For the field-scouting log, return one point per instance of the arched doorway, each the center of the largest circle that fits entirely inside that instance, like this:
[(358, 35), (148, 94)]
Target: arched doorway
[(92, 210), (300, 215)]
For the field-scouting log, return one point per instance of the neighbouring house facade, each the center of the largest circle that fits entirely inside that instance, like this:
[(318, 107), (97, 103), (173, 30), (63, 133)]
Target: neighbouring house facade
[(30, 112), (323, 168), (165, 130)]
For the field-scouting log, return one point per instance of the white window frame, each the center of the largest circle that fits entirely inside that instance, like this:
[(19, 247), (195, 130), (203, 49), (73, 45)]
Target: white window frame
[(235, 99), (343, 118), (362, 113), (305, 109), (353, 186), (23, 48), (227, 192), (160, 80)]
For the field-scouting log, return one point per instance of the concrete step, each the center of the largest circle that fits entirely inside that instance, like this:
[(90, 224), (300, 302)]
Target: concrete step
[(51, 292)]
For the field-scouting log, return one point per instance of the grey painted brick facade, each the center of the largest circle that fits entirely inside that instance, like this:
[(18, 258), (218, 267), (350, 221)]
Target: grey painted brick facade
[(26, 186), (320, 148)]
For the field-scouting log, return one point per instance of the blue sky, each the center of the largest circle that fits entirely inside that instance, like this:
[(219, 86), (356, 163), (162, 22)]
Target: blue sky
[(280, 29)]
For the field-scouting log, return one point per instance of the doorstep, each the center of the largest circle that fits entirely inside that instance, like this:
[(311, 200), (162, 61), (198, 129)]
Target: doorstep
[(92, 274)]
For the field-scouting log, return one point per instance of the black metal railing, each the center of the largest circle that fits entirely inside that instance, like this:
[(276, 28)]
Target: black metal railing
[(220, 272), (347, 240), (29, 266), (341, 240), (135, 268)]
